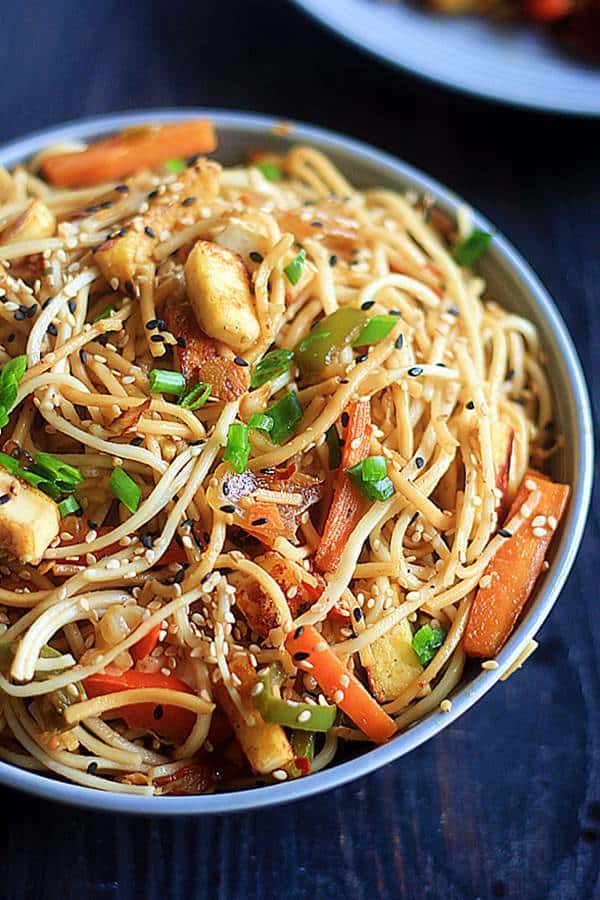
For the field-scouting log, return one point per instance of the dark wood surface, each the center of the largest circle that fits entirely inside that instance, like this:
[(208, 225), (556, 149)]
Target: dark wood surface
[(505, 802)]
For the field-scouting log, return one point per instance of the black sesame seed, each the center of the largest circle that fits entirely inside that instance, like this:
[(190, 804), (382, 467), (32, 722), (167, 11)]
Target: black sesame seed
[(92, 525), (333, 260), (106, 204), (362, 357), (153, 194), (179, 576), (442, 365), (4, 498), (255, 256), (83, 356), (454, 311), (510, 374), (19, 316), (316, 224), (181, 342), (151, 324), (504, 532), (415, 370), (129, 286), (368, 304), (122, 188), (357, 613), (399, 342), (146, 540), (299, 657), (394, 312), (11, 337), (79, 512), (192, 160), (149, 231), (240, 361), (197, 442), (157, 338), (92, 209), (31, 311), (345, 419), (470, 405), (189, 201), (51, 329), (23, 307), (228, 508), (122, 232), (419, 462), (136, 441), (344, 381), (158, 712), (262, 521), (72, 304), (46, 302), (226, 488), (298, 632), (92, 768), (267, 471)]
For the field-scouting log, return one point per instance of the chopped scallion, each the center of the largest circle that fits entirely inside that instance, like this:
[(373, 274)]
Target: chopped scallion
[(166, 381), (104, 313), (197, 396), (287, 415), (175, 165), (270, 366), (260, 422), (237, 450), (11, 374), (125, 489), (426, 642), (375, 485), (374, 468), (270, 170), (334, 447), (68, 505), (293, 270), (468, 251)]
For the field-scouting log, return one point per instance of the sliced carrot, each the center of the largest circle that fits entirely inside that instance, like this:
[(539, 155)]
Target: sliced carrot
[(170, 722), (128, 152), (514, 569), (311, 653), (146, 645), (347, 503)]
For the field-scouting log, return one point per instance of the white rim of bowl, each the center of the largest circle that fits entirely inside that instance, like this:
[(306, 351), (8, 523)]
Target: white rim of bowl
[(42, 785)]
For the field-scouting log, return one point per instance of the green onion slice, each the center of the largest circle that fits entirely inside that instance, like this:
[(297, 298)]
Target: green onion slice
[(175, 165), (270, 170), (11, 374), (237, 451), (197, 396), (375, 485), (375, 330), (334, 447), (286, 414), (293, 270), (105, 313), (60, 473), (426, 642), (374, 468), (68, 505), (166, 381), (271, 366), (261, 422), (125, 489), (468, 251)]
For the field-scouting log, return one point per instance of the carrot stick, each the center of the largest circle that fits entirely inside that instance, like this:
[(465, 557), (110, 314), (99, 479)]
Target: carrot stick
[(514, 569), (126, 153), (310, 652), (171, 722), (348, 503), (146, 645)]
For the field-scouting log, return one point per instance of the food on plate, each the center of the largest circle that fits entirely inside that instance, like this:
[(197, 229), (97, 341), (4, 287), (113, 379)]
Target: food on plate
[(271, 463)]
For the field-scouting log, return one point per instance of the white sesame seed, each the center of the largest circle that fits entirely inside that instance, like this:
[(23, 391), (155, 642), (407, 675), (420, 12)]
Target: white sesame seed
[(530, 484), (539, 522), (489, 664), (280, 775), (539, 532), (344, 681), (304, 716), (446, 705), (338, 696)]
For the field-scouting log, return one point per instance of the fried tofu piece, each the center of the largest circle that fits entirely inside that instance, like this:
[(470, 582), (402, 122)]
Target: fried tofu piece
[(218, 288), (29, 520), (199, 360), (395, 663), (129, 256), (35, 222)]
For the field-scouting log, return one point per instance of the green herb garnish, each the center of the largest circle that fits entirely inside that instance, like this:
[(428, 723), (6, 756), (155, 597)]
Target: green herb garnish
[(293, 270), (105, 313), (237, 450), (261, 422), (68, 505), (166, 381), (375, 330), (426, 642), (469, 250), (11, 374), (175, 165), (334, 447), (286, 414), (271, 366), (125, 489), (371, 478), (197, 396), (270, 170)]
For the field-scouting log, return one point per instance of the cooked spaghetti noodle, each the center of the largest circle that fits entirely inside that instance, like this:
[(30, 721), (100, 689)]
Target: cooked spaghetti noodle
[(281, 430)]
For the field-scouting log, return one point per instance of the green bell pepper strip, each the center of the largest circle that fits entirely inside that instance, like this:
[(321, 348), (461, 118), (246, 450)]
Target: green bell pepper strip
[(303, 746), (292, 714), (328, 338)]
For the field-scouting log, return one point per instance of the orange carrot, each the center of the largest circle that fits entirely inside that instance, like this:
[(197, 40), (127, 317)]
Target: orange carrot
[(126, 153), (347, 503), (514, 569), (549, 10), (171, 722), (310, 652), (146, 645)]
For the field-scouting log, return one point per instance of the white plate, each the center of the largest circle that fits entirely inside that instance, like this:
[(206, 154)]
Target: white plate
[(514, 64)]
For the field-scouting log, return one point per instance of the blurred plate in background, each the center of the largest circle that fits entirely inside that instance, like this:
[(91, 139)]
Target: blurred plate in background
[(515, 63)]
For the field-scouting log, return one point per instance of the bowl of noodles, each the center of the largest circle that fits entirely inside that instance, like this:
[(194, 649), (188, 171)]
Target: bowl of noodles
[(287, 479)]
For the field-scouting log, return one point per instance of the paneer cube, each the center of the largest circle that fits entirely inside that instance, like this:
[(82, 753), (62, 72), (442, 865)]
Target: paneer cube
[(395, 663), (34, 223), (218, 288), (29, 520)]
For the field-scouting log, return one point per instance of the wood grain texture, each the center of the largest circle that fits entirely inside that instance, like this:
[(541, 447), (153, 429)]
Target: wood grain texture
[(506, 802)]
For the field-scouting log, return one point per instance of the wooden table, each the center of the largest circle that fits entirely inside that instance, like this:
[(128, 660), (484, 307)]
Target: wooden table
[(506, 802)]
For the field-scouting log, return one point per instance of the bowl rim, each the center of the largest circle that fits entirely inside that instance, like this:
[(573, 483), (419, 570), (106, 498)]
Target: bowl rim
[(259, 798)]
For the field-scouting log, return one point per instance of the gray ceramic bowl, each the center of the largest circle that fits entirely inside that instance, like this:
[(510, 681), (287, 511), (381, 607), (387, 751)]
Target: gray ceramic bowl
[(510, 281)]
